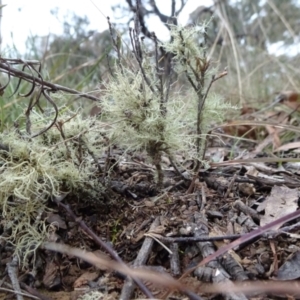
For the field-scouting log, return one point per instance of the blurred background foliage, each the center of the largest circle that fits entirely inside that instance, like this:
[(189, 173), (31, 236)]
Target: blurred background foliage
[(256, 40)]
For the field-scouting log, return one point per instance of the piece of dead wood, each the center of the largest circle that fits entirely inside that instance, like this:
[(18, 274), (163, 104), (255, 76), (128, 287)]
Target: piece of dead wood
[(233, 268), (246, 224), (230, 186), (12, 269), (174, 260), (140, 260), (206, 249), (230, 261), (241, 206)]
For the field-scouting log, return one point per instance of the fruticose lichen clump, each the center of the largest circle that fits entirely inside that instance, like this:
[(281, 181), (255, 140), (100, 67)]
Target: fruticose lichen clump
[(33, 170), (152, 113)]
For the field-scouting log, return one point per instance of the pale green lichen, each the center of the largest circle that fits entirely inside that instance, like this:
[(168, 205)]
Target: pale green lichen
[(137, 114), (214, 111), (93, 295), (132, 102), (35, 169), (185, 47)]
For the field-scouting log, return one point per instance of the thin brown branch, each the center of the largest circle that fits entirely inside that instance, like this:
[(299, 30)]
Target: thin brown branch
[(45, 93), (5, 68), (164, 18)]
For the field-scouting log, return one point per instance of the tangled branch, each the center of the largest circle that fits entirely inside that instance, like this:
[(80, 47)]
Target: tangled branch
[(6, 67), (34, 77)]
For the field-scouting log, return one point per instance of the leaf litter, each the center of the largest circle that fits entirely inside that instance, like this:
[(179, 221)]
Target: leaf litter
[(232, 234)]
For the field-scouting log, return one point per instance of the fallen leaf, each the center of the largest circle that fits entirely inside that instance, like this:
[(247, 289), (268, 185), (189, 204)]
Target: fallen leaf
[(85, 278), (281, 202), (290, 270), (288, 146), (56, 220)]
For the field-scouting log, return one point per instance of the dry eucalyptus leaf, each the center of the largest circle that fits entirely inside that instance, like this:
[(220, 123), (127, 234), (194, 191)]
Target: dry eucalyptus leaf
[(290, 270), (85, 278), (281, 202)]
